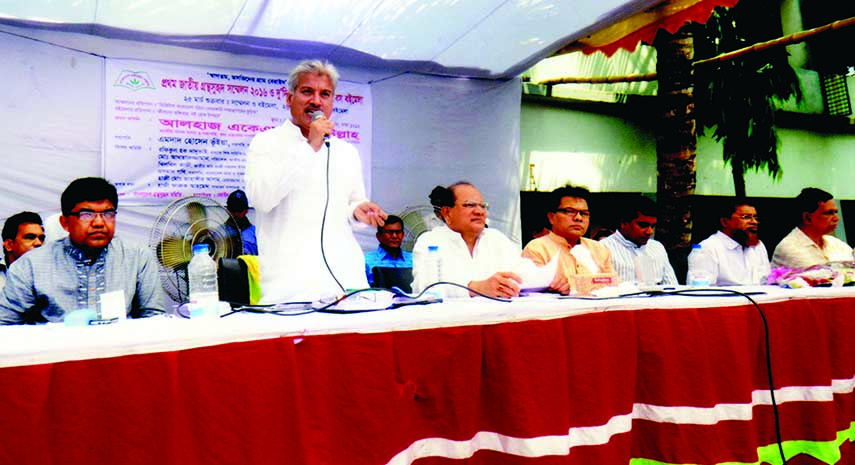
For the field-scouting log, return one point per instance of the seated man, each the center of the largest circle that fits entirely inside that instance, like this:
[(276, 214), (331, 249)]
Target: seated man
[(72, 273), (22, 232), (471, 254), (734, 255), (388, 253), (633, 244), (810, 243), (570, 217), (238, 206)]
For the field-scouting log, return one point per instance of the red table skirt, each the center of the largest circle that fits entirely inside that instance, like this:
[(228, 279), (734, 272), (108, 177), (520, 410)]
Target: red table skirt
[(671, 386)]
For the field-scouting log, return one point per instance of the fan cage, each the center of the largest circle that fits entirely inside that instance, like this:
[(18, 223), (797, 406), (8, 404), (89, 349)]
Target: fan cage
[(417, 220), (184, 223)]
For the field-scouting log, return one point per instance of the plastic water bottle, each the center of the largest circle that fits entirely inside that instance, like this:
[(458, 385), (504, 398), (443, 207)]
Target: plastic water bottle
[(204, 296), (434, 269), (697, 276)]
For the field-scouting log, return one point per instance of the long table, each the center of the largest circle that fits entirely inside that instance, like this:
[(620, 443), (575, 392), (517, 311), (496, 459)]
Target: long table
[(664, 380)]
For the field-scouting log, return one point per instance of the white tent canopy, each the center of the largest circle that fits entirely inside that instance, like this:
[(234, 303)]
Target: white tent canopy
[(493, 39)]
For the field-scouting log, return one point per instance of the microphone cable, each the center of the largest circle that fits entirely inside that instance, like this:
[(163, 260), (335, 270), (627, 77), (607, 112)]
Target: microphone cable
[(324, 220), (329, 308), (710, 292)]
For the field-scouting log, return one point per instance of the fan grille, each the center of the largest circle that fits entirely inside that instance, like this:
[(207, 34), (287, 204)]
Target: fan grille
[(417, 220), (184, 223)]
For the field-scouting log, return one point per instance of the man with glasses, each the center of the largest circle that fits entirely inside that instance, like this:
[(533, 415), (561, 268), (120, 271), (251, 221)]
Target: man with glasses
[(480, 259), (733, 256), (636, 256), (811, 243), (570, 217), (389, 253), (73, 273)]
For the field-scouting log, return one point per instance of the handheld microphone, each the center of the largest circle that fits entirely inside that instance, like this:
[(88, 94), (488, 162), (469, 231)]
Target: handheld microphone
[(316, 116)]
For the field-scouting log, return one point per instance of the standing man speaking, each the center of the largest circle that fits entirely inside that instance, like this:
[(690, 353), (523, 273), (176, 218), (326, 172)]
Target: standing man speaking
[(307, 188)]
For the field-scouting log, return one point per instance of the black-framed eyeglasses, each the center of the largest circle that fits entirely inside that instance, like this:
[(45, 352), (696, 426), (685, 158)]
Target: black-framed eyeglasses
[(89, 215), (573, 212)]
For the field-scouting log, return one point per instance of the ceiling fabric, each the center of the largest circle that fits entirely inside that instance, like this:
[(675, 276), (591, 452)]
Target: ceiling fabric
[(492, 39)]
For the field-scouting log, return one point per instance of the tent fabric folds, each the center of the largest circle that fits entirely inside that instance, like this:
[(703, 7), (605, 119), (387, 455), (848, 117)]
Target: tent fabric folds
[(492, 39)]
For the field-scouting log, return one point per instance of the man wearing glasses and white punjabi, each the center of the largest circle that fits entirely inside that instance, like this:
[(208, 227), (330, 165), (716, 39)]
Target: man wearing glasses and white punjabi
[(472, 255), (71, 274), (632, 245), (733, 256), (569, 216)]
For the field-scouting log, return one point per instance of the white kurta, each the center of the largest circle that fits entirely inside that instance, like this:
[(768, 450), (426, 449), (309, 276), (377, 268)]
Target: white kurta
[(797, 250), (493, 253), (286, 183), (728, 263)]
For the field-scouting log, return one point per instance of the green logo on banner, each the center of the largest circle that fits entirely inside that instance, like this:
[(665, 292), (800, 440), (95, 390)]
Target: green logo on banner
[(133, 80)]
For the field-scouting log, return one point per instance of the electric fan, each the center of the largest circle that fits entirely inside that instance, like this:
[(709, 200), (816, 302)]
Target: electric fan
[(417, 220), (183, 223)]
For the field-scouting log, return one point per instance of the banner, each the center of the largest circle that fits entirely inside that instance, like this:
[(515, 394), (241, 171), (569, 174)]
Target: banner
[(176, 130)]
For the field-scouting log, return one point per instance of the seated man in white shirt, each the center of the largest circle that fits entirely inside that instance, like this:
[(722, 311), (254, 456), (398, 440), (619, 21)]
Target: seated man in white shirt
[(811, 243), (734, 255), (472, 255)]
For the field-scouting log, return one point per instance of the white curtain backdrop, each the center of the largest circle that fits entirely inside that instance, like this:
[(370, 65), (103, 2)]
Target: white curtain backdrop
[(431, 131)]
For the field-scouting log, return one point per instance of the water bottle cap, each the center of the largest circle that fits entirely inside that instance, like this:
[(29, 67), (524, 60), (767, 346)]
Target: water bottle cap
[(200, 248), (433, 248), (696, 246)]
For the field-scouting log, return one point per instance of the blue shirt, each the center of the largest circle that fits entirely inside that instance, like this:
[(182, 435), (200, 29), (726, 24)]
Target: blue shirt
[(250, 244), (381, 257), (51, 281)]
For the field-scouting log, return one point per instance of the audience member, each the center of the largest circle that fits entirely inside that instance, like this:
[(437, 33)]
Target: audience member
[(633, 246), (22, 232), (734, 255), (811, 243), (307, 187), (72, 273), (389, 253), (238, 206), (472, 255), (569, 216)]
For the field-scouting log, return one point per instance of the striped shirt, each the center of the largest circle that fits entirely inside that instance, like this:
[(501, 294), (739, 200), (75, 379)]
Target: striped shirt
[(53, 280), (625, 254)]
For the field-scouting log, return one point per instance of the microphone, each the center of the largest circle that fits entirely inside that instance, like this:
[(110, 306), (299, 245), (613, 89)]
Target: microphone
[(316, 116)]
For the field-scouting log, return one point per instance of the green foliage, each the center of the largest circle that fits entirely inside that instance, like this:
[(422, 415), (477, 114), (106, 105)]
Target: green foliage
[(738, 98)]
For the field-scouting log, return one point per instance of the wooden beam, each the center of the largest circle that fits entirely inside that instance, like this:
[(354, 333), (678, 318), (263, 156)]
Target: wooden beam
[(786, 40), (598, 79)]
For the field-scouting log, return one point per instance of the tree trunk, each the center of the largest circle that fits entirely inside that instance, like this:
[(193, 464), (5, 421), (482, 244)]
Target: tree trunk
[(676, 145), (738, 178)]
